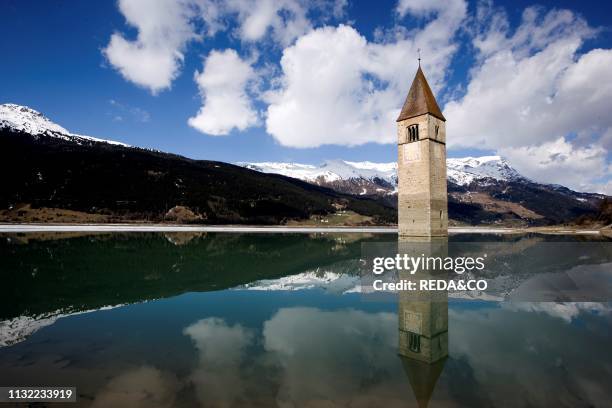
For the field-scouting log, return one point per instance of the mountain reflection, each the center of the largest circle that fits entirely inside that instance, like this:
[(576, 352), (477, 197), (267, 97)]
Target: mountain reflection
[(193, 330), (42, 275), (47, 276)]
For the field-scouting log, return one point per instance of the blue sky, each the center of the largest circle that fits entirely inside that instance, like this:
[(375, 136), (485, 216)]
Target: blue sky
[(310, 81)]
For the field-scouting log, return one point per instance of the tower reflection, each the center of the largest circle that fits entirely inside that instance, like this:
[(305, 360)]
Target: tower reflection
[(423, 321)]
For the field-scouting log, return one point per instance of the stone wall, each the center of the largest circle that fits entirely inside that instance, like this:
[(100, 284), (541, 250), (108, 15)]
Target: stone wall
[(422, 197)]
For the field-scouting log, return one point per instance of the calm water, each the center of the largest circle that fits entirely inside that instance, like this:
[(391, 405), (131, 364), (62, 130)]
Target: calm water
[(164, 320)]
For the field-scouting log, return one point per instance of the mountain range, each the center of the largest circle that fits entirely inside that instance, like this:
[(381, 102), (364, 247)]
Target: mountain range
[(51, 174), (368, 178), (483, 189)]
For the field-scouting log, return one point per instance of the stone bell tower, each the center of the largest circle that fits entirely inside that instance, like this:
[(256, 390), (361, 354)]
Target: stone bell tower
[(421, 165)]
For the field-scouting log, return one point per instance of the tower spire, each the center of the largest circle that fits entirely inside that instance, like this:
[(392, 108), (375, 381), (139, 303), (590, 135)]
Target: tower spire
[(421, 164), (420, 99), (419, 52)]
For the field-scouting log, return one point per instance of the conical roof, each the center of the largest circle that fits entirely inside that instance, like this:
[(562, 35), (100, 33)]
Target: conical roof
[(423, 378), (420, 100)]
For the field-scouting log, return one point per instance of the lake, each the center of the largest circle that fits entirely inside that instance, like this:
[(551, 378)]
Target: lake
[(223, 319)]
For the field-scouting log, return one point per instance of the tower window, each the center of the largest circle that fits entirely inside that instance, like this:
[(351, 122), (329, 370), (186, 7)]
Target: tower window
[(437, 128), (413, 133), (414, 342)]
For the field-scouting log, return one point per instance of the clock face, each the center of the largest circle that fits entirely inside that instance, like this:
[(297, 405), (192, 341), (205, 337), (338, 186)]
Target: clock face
[(413, 322), (412, 152)]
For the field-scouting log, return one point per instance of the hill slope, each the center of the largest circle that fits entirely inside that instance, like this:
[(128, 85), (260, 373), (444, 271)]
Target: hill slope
[(482, 190), (44, 165)]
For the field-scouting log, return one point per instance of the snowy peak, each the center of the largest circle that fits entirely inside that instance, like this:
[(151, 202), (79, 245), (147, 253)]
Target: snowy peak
[(466, 170), (27, 120), (365, 170), (462, 171), (329, 171), (24, 119)]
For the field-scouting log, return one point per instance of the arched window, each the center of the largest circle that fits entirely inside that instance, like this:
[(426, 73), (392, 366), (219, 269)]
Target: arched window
[(414, 342), (413, 133)]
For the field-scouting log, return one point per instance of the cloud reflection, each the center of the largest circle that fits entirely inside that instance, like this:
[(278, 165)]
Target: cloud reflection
[(344, 356), (222, 348), (145, 387), (521, 358)]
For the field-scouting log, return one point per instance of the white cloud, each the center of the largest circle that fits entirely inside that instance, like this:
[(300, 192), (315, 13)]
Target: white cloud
[(338, 88), (530, 90), (165, 27), (560, 162), (223, 85), (285, 18), (419, 7), (153, 59)]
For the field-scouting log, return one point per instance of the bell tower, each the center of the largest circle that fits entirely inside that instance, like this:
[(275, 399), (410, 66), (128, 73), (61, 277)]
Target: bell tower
[(421, 165)]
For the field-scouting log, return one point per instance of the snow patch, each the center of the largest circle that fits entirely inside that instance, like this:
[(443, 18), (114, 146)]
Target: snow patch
[(18, 329), (330, 281), (23, 119)]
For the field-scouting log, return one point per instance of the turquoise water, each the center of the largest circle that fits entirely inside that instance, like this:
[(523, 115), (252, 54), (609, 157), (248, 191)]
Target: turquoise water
[(183, 320)]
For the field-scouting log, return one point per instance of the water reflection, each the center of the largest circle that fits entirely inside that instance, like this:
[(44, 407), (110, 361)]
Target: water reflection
[(193, 330), (423, 323)]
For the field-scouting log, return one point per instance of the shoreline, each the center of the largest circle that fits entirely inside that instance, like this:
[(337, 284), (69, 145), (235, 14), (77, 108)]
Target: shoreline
[(24, 228)]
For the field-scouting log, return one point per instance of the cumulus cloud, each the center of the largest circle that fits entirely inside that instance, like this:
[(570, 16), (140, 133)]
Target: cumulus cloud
[(285, 19), (280, 20), (153, 59), (561, 162), (527, 86), (338, 88), (531, 92), (223, 86)]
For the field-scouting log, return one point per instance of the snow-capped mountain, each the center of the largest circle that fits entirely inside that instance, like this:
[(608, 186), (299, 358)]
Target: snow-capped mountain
[(346, 176), (18, 329), (482, 190), (381, 178), (329, 171), (27, 120), (53, 175), (464, 171)]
